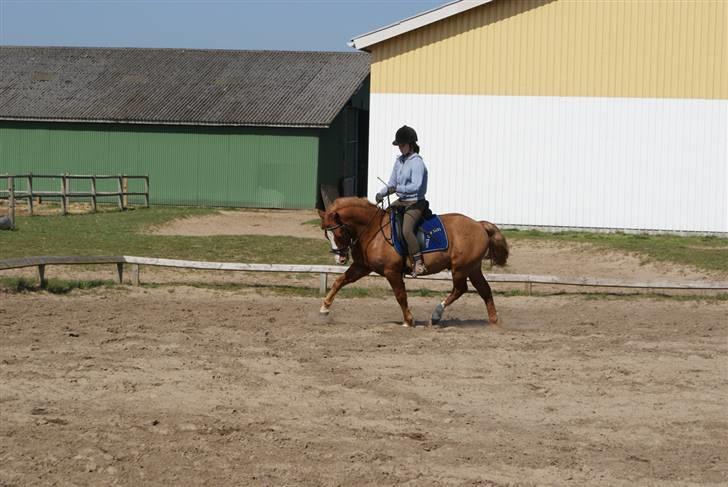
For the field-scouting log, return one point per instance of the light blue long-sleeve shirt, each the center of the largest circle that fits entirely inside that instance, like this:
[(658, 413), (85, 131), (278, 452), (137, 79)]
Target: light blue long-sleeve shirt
[(409, 177)]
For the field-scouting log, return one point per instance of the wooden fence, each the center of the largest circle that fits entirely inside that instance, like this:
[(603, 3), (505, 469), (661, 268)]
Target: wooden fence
[(324, 270), (66, 192)]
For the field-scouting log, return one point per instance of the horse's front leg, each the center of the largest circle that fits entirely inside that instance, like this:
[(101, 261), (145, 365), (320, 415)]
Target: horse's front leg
[(397, 282), (352, 274)]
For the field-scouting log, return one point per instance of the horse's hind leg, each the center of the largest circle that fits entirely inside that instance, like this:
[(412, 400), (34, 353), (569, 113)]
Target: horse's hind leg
[(481, 284), (459, 287)]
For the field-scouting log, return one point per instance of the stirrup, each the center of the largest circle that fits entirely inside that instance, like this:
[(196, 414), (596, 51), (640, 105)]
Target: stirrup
[(418, 267)]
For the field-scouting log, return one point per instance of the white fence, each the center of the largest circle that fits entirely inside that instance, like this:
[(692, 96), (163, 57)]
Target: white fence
[(324, 271)]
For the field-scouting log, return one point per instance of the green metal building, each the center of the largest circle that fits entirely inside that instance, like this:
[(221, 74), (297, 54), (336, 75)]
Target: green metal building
[(262, 129)]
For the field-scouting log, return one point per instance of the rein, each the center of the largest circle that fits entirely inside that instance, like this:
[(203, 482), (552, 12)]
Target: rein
[(389, 240)]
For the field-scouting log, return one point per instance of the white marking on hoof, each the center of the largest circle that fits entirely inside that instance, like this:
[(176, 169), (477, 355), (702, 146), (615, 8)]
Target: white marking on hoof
[(324, 310)]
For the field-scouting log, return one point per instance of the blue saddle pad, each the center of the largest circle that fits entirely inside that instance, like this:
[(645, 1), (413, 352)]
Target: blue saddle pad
[(431, 234)]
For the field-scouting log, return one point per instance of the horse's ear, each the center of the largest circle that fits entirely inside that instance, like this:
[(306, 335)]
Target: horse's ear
[(328, 195)]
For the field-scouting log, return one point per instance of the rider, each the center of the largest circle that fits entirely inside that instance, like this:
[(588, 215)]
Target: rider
[(409, 181)]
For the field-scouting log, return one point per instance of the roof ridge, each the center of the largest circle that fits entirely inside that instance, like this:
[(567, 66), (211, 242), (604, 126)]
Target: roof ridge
[(363, 41), (194, 49)]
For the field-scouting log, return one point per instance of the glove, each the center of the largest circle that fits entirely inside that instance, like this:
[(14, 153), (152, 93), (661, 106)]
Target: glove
[(391, 190), (379, 197)]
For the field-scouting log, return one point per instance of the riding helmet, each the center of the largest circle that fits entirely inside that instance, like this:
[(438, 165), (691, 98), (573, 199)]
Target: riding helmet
[(405, 135)]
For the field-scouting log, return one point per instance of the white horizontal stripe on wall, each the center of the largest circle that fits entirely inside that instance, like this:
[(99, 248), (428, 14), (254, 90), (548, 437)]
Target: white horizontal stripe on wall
[(629, 163)]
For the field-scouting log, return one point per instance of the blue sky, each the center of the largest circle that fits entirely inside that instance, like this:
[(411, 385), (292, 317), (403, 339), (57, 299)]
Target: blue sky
[(321, 25)]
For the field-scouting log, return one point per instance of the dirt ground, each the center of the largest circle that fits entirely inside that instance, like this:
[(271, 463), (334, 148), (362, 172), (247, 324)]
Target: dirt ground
[(187, 386), (178, 385)]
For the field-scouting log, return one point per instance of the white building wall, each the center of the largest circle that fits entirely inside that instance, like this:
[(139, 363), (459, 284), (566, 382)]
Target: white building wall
[(617, 163)]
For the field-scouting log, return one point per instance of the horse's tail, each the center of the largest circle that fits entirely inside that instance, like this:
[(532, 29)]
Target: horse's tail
[(497, 245)]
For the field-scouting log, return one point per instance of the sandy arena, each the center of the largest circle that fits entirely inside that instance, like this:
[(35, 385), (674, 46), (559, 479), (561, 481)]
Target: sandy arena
[(178, 385)]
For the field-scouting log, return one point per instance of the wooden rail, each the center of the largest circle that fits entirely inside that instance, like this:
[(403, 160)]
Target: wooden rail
[(324, 270), (66, 193)]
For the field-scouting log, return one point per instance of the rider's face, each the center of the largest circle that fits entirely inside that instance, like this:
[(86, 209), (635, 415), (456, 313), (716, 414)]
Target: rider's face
[(404, 148)]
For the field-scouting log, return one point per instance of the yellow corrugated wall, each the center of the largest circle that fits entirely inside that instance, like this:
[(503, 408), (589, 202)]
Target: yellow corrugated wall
[(600, 48)]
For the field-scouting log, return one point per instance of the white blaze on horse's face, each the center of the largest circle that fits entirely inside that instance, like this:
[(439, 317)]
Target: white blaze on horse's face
[(338, 258), (332, 241)]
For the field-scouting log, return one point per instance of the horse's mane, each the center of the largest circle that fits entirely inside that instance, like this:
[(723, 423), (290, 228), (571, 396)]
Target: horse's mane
[(346, 202)]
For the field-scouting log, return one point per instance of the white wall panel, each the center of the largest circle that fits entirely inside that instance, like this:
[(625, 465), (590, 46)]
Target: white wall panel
[(629, 163)]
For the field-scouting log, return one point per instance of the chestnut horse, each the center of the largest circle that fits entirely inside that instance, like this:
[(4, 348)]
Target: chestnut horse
[(355, 225)]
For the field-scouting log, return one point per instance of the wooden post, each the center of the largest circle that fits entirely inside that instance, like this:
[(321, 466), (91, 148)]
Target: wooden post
[(93, 193), (11, 200), (323, 283), (30, 194), (146, 190), (120, 272), (41, 276), (125, 186), (68, 191), (120, 189), (135, 274), (529, 288), (64, 198)]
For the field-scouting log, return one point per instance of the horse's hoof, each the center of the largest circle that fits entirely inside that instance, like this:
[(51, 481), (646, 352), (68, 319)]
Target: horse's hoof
[(437, 314), (324, 310), (408, 325)]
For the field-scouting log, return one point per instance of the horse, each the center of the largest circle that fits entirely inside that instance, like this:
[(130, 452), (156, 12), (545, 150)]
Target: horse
[(356, 226)]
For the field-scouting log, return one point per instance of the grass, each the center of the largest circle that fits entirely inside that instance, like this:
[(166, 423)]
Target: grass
[(123, 233), (316, 222), (54, 286), (116, 233), (707, 253)]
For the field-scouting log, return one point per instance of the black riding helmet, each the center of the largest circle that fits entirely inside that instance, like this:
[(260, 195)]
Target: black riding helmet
[(405, 135)]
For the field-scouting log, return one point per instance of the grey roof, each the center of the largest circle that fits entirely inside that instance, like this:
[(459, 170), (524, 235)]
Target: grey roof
[(178, 86)]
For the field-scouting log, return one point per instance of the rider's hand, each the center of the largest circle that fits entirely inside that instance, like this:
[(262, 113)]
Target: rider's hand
[(392, 189), (379, 197)]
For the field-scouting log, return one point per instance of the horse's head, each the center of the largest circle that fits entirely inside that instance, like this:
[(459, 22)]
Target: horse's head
[(338, 234)]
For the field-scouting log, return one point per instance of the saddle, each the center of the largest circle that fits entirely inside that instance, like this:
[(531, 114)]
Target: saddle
[(430, 232)]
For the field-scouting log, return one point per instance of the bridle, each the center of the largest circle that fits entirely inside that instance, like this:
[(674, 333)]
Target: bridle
[(353, 237), (342, 252)]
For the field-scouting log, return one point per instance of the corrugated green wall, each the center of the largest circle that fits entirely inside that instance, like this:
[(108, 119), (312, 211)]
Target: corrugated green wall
[(244, 167)]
